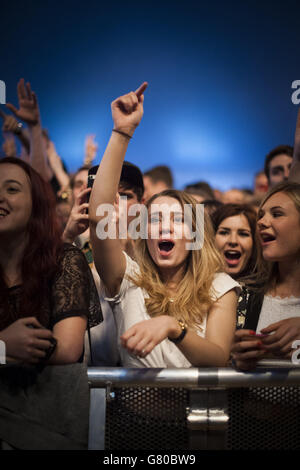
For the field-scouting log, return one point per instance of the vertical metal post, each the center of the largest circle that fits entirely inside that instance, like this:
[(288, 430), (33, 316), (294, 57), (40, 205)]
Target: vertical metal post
[(97, 419), (218, 419), (207, 420), (197, 419)]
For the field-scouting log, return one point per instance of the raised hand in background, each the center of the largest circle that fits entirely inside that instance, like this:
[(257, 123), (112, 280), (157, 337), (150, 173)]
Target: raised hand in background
[(9, 145), (13, 126), (57, 167), (90, 150), (28, 105), (79, 219), (29, 112)]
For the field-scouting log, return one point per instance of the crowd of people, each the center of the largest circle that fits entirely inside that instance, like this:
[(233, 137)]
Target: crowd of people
[(75, 297)]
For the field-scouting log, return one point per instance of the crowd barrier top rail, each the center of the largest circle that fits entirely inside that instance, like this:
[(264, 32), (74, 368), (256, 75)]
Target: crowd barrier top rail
[(269, 373)]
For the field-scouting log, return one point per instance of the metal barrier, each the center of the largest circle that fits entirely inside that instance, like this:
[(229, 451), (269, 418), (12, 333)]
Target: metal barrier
[(195, 408)]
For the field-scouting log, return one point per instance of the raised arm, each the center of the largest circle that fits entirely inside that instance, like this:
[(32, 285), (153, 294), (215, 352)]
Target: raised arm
[(9, 145), (29, 112), (90, 150), (56, 165), (10, 124), (295, 169), (127, 112)]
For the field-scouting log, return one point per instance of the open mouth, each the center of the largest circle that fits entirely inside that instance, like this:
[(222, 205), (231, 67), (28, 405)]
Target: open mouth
[(3, 213), (165, 247), (232, 257), (267, 238)]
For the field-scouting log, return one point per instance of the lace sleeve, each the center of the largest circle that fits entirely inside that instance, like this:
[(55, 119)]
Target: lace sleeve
[(73, 291)]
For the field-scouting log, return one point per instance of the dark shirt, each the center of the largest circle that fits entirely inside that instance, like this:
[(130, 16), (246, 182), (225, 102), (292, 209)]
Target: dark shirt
[(72, 293)]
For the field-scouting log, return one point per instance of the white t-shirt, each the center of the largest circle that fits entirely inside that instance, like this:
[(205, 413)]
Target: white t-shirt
[(275, 309), (105, 350), (129, 308)]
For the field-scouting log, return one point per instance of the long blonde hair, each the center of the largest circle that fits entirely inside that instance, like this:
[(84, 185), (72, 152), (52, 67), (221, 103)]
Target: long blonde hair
[(194, 293), (267, 271)]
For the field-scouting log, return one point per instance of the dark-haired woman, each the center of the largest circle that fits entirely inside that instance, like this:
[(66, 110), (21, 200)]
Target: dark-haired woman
[(235, 238), (235, 228), (47, 295)]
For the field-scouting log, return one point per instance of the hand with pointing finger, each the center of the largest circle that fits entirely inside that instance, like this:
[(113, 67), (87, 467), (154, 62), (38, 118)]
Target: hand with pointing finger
[(127, 110)]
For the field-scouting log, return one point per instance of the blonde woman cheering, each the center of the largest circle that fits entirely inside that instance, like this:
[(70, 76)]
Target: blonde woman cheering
[(173, 307)]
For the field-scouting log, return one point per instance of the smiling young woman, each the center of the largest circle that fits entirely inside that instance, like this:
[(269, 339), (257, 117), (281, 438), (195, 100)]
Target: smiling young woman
[(277, 313), (235, 228), (174, 307), (37, 267), (47, 295), (236, 239)]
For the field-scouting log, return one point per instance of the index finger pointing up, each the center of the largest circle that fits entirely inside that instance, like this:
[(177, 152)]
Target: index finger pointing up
[(141, 89)]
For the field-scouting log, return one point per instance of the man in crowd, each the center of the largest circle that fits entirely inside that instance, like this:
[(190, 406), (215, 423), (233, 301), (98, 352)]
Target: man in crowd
[(156, 180), (278, 163)]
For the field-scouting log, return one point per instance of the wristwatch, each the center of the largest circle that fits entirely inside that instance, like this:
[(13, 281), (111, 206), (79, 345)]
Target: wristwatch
[(179, 338)]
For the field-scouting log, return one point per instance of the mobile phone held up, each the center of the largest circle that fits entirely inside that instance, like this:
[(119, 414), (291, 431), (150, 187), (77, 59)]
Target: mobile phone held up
[(91, 178)]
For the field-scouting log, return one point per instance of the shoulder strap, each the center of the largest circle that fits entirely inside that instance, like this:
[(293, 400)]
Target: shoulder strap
[(90, 342), (253, 310)]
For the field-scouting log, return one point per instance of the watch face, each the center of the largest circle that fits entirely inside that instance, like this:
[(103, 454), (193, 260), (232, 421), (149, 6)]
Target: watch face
[(182, 334)]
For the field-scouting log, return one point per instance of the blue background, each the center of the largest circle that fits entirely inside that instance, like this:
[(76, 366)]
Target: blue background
[(219, 74)]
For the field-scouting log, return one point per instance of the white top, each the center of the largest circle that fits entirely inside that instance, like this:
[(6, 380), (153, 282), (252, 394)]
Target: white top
[(129, 308), (275, 309), (105, 350)]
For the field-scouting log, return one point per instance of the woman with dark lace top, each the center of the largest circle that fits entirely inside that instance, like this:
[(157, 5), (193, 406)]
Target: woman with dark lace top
[(47, 298)]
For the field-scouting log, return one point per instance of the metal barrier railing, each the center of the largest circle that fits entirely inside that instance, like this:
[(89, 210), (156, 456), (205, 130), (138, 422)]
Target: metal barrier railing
[(207, 399)]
